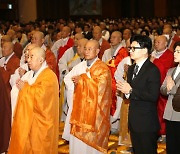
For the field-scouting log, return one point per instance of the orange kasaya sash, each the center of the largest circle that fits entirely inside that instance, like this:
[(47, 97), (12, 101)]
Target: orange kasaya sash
[(112, 64), (91, 107)]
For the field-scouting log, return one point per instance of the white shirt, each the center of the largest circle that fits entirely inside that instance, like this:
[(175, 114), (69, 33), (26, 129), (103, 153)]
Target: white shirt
[(177, 72), (157, 54), (108, 53), (59, 43), (140, 65)]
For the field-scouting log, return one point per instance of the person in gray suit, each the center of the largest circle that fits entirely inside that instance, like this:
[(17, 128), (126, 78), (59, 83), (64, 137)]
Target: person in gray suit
[(170, 87)]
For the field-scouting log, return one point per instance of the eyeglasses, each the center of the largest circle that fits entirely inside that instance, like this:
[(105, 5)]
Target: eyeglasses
[(134, 48), (178, 51)]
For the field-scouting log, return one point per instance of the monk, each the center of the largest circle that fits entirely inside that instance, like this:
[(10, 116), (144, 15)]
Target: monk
[(38, 39), (9, 63), (90, 128), (35, 124)]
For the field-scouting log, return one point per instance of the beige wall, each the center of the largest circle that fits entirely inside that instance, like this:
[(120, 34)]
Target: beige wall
[(27, 10)]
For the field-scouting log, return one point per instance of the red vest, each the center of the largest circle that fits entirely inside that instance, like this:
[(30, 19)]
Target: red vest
[(112, 64)]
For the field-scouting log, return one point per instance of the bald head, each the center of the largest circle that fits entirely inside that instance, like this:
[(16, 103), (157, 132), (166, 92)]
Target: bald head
[(160, 43), (167, 30), (38, 38), (91, 49), (116, 38), (11, 33), (39, 52), (36, 58), (5, 38), (66, 32), (97, 33), (77, 37), (7, 49), (80, 47)]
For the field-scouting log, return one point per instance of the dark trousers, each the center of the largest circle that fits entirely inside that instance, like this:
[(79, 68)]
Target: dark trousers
[(144, 142), (173, 137)]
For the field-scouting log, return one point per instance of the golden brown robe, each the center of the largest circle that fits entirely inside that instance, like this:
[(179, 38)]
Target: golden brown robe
[(35, 125), (90, 117)]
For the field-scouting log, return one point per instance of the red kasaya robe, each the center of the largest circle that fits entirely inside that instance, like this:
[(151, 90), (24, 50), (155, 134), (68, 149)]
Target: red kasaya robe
[(61, 51), (11, 66), (104, 46), (51, 60), (163, 63), (113, 63), (5, 116)]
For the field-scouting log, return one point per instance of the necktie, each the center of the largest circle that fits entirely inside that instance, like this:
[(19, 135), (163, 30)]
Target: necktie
[(135, 71)]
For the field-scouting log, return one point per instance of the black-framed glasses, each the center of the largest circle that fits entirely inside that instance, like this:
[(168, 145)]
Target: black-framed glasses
[(134, 48)]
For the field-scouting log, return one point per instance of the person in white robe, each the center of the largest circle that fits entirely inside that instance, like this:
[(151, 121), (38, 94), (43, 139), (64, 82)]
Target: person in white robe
[(30, 78), (19, 72), (78, 57)]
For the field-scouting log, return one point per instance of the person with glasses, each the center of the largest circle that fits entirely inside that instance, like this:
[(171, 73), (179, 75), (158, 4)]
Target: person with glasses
[(171, 88), (142, 88)]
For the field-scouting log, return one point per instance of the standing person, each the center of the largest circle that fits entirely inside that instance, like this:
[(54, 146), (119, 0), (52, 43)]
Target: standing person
[(112, 57), (104, 44), (5, 116), (10, 62), (142, 88), (171, 87), (163, 58), (90, 128), (36, 119), (38, 39)]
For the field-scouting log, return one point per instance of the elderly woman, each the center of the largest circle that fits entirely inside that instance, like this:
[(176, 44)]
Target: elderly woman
[(170, 87)]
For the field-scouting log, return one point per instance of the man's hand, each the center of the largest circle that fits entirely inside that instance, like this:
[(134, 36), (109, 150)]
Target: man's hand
[(123, 86), (21, 71), (75, 79), (170, 83), (19, 84)]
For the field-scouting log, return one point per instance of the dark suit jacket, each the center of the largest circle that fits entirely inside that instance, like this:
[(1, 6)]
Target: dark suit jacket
[(88, 35), (143, 99)]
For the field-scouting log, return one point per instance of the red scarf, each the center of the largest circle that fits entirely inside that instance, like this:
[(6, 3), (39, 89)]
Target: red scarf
[(61, 51)]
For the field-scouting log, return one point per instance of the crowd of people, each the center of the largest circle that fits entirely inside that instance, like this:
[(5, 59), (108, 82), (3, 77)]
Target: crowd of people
[(101, 77)]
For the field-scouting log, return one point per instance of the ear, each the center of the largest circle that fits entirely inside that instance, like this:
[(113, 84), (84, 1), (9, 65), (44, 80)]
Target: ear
[(97, 51), (166, 44), (145, 51), (43, 40), (41, 60)]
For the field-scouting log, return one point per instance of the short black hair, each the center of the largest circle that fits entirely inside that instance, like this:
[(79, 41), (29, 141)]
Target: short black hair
[(143, 40), (176, 44)]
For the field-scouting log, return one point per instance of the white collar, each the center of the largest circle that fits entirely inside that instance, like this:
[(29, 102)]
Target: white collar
[(141, 63), (159, 54), (6, 61), (43, 47), (118, 48), (100, 41)]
